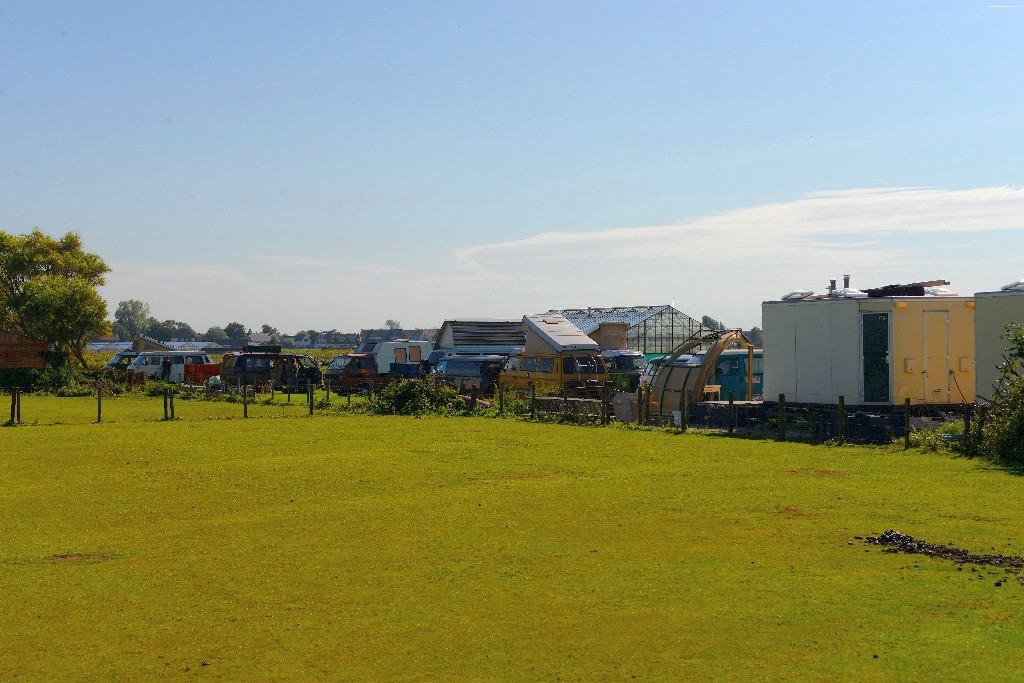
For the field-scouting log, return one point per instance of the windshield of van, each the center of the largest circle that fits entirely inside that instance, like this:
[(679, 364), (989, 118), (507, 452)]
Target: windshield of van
[(339, 363), (582, 365), (626, 363)]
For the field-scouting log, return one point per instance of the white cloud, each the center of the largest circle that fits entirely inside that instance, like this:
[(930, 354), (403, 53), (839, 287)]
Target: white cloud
[(723, 265)]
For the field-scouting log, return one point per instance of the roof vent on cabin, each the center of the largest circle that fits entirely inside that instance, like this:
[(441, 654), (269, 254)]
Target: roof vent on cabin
[(797, 294), (1014, 286)]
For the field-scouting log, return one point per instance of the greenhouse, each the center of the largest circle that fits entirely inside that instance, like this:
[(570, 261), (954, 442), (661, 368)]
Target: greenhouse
[(653, 330)]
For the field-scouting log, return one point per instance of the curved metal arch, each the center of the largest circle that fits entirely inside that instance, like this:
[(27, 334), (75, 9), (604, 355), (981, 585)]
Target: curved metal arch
[(693, 383)]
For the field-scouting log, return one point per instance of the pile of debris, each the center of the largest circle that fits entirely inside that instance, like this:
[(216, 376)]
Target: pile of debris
[(898, 542)]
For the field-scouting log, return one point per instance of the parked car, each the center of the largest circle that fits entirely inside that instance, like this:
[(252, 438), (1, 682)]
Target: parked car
[(731, 373), (151, 363), (260, 367), (624, 367), (360, 372), (470, 372), (571, 369), (121, 360)]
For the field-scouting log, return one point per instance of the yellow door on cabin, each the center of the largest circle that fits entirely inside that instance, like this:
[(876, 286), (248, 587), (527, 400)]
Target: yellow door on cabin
[(936, 356)]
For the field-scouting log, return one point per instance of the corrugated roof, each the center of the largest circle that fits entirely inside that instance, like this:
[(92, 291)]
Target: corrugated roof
[(589, 319), (559, 332), (486, 332)]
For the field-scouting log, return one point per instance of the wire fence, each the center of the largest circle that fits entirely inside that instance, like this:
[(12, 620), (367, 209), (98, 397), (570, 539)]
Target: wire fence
[(814, 424)]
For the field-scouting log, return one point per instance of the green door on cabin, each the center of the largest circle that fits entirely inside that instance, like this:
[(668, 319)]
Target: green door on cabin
[(875, 349)]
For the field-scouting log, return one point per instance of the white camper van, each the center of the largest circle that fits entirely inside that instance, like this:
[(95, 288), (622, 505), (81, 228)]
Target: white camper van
[(150, 363)]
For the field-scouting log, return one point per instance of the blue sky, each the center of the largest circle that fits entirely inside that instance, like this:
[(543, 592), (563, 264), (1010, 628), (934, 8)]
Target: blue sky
[(333, 165)]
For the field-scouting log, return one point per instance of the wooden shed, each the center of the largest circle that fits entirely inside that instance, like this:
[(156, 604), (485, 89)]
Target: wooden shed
[(18, 351), (877, 350)]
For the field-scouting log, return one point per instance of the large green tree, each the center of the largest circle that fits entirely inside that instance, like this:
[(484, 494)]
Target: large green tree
[(131, 318), (169, 329), (48, 290), (235, 330), (215, 333)]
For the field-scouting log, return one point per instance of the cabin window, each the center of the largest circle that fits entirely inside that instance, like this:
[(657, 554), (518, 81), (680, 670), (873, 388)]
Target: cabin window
[(529, 365), (546, 365), (400, 356), (414, 354)]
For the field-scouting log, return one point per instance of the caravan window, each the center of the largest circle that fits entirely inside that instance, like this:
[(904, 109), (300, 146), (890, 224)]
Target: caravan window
[(529, 364), (400, 356), (546, 365), (414, 354)]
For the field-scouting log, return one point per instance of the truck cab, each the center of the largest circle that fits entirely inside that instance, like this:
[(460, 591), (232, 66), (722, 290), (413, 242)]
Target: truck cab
[(354, 372), (624, 368)]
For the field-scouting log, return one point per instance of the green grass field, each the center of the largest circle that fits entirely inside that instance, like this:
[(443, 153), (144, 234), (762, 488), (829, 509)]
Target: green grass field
[(371, 548)]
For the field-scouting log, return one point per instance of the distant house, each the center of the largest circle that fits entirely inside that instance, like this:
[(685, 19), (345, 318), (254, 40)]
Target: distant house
[(18, 351)]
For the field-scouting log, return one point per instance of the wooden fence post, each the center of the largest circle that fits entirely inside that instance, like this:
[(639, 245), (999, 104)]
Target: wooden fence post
[(171, 390), (782, 417), (967, 430), (99, 405), (732, 414), (14, 404), (167, 414), (309, 395), (533, 401), (842, 420), (684, 410), (245, 401), (906, 423)]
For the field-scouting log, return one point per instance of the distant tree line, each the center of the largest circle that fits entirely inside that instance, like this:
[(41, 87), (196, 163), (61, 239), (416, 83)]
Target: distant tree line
[(133, 317)]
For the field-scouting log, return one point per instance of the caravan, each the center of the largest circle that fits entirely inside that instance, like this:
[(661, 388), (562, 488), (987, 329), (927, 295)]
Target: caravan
[(151, 364)]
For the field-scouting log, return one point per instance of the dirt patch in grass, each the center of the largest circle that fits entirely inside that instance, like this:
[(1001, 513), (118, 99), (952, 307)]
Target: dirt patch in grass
[(790, 511), (81, 557)]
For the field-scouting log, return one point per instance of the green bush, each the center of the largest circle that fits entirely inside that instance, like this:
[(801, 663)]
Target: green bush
[(1000, 427), (417, 397)]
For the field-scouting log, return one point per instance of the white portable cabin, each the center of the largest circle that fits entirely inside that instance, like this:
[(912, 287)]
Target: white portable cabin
[(399, 351), (553, 333), (992, 313), (872, 351)]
